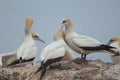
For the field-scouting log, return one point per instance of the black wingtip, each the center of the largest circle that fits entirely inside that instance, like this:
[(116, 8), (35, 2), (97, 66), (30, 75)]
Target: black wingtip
[(13, 63), (39, 69), (43, 73)]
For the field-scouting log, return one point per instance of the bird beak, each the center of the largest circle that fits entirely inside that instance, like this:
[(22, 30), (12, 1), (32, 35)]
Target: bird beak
[(110, 41), (39, 39), (62, 25)]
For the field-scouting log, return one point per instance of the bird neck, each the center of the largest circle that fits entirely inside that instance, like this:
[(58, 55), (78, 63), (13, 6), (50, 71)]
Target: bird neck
[(57, 38), (69, 29), (28, 29), (28, 39)]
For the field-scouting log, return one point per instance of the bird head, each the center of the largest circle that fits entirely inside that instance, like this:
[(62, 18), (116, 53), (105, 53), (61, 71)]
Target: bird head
[(66, 22), (59, 34), (114, 39), (36, 36)]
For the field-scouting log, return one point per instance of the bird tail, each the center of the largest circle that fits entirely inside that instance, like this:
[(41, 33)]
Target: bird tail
[(39, 69), (43, 73), (13, 63), (110, 49)]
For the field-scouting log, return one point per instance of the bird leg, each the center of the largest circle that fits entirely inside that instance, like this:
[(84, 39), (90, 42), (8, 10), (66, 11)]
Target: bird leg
[(81, 56), (84, 56)]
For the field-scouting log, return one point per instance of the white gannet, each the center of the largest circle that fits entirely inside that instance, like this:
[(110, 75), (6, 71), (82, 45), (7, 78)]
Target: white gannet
[(80, 43), (115, 42), (27, 50), (68, 54), (7, 58), (54, 52)]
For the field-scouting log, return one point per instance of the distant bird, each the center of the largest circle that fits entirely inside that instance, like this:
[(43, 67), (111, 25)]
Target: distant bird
[(115, 42), (80, 43), (7, 58), (27, 50), (54, 52)]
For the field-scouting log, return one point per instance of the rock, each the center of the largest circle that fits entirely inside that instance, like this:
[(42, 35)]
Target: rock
[(92, 70)]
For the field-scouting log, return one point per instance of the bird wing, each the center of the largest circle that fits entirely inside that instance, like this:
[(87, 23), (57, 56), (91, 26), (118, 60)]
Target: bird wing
[(8, 58), (29, 53), (55, 53), (83, 41), (50, 47)]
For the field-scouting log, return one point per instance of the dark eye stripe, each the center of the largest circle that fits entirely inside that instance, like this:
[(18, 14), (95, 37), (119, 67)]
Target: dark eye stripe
[(36, 36), (64, 21)]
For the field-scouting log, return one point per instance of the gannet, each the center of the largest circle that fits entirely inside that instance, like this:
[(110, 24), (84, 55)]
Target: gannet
[(54, 52), (68, 54), (27, 50), (115, 42), (7, 58), (80, 43)]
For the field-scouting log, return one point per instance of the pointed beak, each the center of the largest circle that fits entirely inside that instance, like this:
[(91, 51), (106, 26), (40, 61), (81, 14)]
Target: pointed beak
[(62, 25), (110, 41), (39, 39)]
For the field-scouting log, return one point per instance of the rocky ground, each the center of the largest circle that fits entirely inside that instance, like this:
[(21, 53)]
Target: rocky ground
[(90, 70)]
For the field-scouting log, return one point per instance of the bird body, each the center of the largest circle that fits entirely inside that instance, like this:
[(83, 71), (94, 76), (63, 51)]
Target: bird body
[(7, 58), (54, 52), (27, 50), (80, 43)]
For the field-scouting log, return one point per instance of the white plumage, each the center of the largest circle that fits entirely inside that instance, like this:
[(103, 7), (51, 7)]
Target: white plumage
[(27, 50), (52, 48), (80, 43), (84, 41), (57, 44), (7, 58), (54, 52)]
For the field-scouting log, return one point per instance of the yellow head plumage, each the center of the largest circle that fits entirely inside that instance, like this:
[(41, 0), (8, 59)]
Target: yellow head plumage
[(67, 21), (33, 34), (28, 24), (59, 34), (117, 39)]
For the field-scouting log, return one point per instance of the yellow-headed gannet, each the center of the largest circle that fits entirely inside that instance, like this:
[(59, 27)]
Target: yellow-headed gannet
[(27, 50), (115, 42), (7, 58), (52, 53), (80, 43)]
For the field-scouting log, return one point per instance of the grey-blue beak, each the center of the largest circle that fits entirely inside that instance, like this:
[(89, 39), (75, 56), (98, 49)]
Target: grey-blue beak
[(110, 41), (39, 39)]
